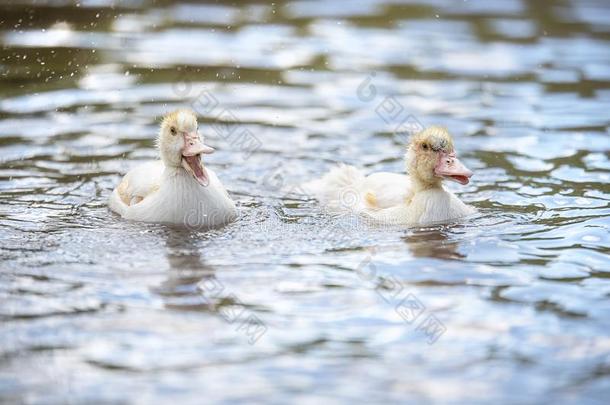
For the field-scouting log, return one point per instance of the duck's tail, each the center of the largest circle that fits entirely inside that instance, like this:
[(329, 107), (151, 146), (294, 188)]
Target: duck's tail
[(340, 189)]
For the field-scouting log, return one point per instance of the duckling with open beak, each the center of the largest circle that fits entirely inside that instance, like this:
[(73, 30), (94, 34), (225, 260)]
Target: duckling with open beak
[(178, 189)]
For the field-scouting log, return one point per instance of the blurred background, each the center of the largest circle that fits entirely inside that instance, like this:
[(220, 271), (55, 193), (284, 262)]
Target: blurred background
[(289, 303)]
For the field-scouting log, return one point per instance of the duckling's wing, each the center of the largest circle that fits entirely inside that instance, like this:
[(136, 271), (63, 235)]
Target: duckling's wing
[(138, 183), (143, 180), (384, 189)]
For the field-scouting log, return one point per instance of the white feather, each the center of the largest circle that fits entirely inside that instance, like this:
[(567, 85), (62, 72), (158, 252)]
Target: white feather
[(171, 195), (386, 197)]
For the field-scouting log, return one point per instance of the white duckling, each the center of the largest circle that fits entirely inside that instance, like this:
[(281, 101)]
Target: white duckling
[(178, 189), (417, 198)]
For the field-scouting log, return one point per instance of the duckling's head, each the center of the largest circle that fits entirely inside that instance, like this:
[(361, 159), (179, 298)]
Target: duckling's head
[(180, 144), (431, 157)]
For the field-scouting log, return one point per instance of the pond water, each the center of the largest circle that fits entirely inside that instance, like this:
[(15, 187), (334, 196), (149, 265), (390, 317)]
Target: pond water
[(289, 302)]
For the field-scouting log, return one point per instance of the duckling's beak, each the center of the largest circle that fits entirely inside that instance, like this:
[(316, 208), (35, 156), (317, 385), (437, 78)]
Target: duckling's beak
[(449, 167), (191, 157)]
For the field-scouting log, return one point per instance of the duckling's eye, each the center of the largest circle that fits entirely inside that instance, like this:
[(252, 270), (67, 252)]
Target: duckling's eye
[(424, 146), (172, 130)]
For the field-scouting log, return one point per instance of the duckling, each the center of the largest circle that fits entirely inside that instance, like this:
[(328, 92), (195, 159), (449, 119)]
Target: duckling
[(391, 198), (178, 189)]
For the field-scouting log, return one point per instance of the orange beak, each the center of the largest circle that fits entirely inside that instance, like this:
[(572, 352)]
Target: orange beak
[(191, 157), (193, 145), (449, 167)]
